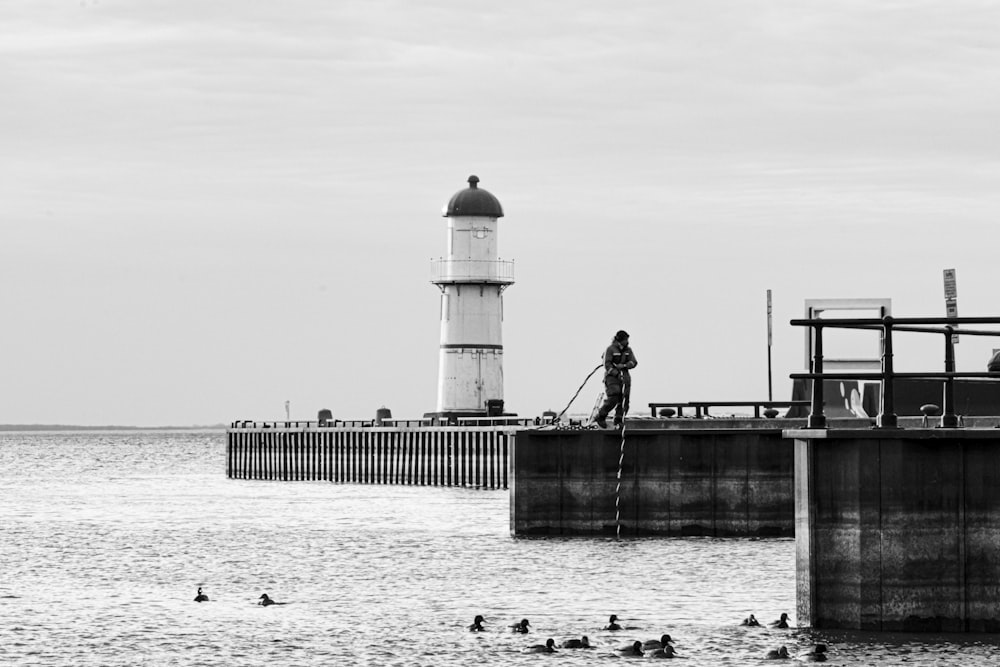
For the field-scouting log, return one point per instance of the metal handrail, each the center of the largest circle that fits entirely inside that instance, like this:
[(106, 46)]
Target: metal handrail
[(497, 271), (887, 417), (425, 422), (701, 407)]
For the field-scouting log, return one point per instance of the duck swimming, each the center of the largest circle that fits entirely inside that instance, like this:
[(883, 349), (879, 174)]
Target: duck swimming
[(667, 651), (817, 654), (547, 647), (780, 623), (634, 650), (521, 627), (582, 642), (611, 623), (477, 624), (266, 601), (200, 597), (777, 654), (750, 621), (664, 640)]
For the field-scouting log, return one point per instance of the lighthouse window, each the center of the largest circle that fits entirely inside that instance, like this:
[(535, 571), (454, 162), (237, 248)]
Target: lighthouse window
[(480, 233)]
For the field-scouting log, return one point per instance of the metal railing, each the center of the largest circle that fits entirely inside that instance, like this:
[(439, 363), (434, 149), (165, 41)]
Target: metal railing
[(444, 271), (701, 408), (330, 423), (389, 422), (887, 418)]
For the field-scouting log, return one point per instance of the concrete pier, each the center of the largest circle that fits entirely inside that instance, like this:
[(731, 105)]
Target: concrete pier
[(696, 479), (898, 530), (468, 456)]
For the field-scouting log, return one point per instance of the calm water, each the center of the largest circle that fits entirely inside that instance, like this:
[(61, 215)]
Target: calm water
[(106, 537)]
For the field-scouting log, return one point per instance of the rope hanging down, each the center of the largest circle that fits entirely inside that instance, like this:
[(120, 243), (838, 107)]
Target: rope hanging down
[(621, 453), (621, 457), (618, 487), (587, 379)]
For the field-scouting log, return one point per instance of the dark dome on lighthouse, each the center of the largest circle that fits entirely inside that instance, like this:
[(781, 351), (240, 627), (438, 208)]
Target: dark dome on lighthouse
[(474, 201)]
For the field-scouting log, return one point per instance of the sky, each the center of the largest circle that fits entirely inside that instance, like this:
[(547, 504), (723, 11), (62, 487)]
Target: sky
[(211, 207)]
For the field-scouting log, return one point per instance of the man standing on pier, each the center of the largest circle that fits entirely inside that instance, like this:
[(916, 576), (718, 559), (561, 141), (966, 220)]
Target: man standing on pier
[(618, 360)]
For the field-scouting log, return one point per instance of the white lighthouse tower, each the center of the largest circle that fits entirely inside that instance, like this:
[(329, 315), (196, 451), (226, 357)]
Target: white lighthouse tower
[(472, 280)]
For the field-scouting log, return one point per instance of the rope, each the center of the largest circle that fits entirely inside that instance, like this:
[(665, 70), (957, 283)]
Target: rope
[(618, 487), (621, 454), (559, 416)]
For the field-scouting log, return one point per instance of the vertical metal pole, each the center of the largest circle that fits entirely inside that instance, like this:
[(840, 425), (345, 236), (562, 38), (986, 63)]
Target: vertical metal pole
[(816, 417), (887, 408), (948, 417), (770, 393)]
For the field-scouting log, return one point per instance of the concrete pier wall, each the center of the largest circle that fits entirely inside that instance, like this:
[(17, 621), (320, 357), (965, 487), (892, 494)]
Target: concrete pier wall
[(898, 530), (675, 481)]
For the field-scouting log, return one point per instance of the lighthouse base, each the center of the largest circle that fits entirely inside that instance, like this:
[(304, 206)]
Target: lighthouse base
[(494, 408), (493, 411), (454, 414)]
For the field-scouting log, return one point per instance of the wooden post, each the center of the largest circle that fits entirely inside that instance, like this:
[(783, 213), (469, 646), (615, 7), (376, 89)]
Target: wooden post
[(505, 443), (255, 448), (451, 454), (411, 438), (422, 470), (437, 460)]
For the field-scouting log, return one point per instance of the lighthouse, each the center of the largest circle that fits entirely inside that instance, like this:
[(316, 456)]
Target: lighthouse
[(472, 280)]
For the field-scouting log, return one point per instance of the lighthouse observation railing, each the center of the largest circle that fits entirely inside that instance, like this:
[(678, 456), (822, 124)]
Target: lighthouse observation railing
[(472, 271), (887, 418)]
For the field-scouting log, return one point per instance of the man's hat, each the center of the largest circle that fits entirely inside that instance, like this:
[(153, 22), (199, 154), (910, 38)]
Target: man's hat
[(621, 335)]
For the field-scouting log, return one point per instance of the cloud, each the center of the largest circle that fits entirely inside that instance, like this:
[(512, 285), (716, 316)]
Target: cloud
[(228, 158)]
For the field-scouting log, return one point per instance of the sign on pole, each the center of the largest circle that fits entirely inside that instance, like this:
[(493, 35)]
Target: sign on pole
[(951, 299)]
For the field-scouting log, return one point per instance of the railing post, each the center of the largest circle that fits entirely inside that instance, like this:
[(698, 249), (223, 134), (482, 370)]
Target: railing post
[(816, 417), (948, 417), (887, 410)]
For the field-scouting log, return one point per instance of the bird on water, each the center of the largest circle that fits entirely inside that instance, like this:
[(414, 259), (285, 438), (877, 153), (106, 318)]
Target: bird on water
[(520, 627), (781, 623), (612, 625), (200, 597), (666, 652), (582, 642), (634, 650), (664, 640), (477, 624), (777, 654), (266, 601), (547, 647), (751, 621), (817, 654)]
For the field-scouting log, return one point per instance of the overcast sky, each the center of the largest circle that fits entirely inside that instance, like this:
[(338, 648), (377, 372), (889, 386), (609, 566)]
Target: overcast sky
[(210, 207)]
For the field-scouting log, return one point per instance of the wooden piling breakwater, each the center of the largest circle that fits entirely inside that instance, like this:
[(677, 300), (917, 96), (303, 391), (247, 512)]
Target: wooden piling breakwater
[(354, 452)]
